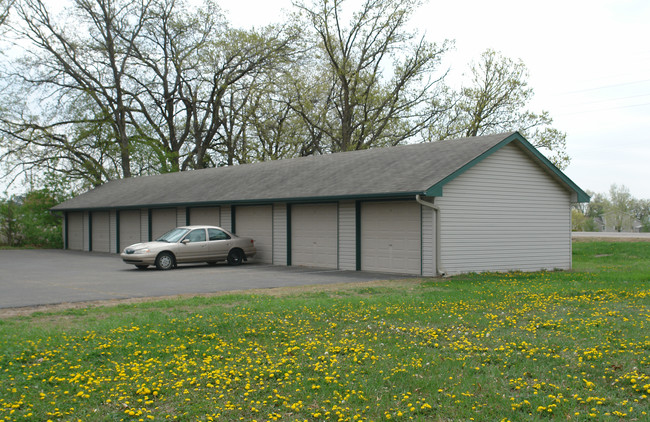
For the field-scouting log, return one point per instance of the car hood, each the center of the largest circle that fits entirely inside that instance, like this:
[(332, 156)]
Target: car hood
[(148, 245)]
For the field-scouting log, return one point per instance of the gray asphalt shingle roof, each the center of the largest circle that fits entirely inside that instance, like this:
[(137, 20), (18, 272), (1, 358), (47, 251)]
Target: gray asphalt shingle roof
[(382, 172)]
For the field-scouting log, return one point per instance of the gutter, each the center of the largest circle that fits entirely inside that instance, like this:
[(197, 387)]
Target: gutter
[(440, 271)]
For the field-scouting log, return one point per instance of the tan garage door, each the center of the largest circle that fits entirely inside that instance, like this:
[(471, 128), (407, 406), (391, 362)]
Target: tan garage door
[(101, 232), (162, 221), (257, 222), (314, 235), (129, 228), (76, 231), (205, 215), (390, 237)]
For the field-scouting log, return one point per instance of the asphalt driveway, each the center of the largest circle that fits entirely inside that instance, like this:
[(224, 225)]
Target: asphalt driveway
[(48, 277)]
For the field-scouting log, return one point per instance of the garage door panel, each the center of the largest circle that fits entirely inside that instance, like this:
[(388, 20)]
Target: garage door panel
[(314, 236), (162, 221), (101, 232), (129, 228), (75, 231), (390, 237), (257, 222), (205, 215)]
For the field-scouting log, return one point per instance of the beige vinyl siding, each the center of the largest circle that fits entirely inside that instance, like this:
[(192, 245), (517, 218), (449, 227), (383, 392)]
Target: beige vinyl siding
[(428, 241), (112, 231), (181, 217), (347, 236), (101, 231), (226, 217), (145, 236), (205, 215), (314, 237), (130, 228), (280, 234), (505, 213), (76, 231)]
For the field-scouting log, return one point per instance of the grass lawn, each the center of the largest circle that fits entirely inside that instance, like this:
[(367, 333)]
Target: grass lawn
[(551, 345)]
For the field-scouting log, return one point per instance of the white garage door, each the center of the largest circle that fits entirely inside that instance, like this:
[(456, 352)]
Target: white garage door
[(76, 231), (101, 232), (390, 237), (205, 215), (314, 235), (162, 221), (129, 228), (257, 222)]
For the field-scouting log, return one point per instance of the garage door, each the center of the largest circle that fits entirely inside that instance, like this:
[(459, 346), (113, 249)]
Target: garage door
[(101, 232), (76, 231), (129, 228), (205, 215), (314, 235), (162, 221), (256, 222), (390, 237)]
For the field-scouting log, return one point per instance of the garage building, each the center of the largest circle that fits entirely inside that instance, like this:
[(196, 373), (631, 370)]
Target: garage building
[(490, 203)]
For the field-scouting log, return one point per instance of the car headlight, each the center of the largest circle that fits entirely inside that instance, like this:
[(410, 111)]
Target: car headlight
[(141, 251)]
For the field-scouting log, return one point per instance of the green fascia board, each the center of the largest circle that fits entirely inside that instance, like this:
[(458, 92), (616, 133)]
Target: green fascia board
[(436, 190), (301, 200)]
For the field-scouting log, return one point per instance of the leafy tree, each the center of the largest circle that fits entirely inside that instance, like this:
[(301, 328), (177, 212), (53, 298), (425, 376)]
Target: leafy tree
[(496, 101), (9, 231), (366, 79)]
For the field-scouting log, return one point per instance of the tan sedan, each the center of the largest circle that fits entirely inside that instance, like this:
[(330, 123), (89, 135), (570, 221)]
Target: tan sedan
[(190, 244)]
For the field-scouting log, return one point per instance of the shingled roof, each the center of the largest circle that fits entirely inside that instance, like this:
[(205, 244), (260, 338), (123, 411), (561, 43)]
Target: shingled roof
[(400, 171)]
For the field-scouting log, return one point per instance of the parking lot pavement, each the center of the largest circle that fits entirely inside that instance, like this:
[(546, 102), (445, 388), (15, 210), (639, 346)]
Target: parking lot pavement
[(47, 277)]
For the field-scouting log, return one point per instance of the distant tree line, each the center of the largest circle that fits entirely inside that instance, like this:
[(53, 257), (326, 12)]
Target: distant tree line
[(96, 90), (615, 211)]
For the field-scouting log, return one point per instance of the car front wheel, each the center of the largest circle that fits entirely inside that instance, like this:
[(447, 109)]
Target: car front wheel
[(235, 257), (165, 261)]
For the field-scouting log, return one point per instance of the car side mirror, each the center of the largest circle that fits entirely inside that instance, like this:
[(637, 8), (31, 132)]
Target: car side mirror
[(185, 241)]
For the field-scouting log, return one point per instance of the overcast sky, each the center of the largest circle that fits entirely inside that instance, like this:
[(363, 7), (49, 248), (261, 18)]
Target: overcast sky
[(589, 64)]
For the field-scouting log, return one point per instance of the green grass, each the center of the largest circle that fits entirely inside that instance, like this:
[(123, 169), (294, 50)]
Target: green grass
[(551, 345)]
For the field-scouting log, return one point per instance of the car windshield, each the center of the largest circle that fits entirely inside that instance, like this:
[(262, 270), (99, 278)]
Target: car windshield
[(173, 236)]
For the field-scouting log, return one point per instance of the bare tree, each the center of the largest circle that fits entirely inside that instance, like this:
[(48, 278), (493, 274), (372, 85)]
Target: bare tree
[(496, 101), (369, 78)]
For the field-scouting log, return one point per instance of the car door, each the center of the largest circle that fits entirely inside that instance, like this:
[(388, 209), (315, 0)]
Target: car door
[(193, 247), (219, 244)]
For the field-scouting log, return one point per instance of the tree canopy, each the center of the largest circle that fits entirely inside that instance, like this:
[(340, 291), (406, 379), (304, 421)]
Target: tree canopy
[(106, 89)]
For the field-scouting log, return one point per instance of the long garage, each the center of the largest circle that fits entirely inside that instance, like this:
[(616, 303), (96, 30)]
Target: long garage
[(488, 203)]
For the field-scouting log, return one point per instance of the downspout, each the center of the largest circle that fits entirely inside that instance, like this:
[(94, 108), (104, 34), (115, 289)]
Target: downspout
[(439, 268)]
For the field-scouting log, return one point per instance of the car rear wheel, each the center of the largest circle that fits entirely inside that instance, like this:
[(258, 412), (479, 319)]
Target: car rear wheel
[(235, 257), (165, 261)]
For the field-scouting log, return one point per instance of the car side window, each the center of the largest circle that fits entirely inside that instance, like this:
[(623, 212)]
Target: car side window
[(215, 234), (197, 235)]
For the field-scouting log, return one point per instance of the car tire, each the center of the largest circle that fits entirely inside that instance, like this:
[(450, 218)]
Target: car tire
[(165, 261), (235, 257), (142, 267)]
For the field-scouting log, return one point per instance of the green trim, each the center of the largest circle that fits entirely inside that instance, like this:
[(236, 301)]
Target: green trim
[(233, 227), (306, 200), (187, 216), (357, 231), (117, 231), (436, 190), (66, 235), (90, 231), (288, 235), (150, 224)]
